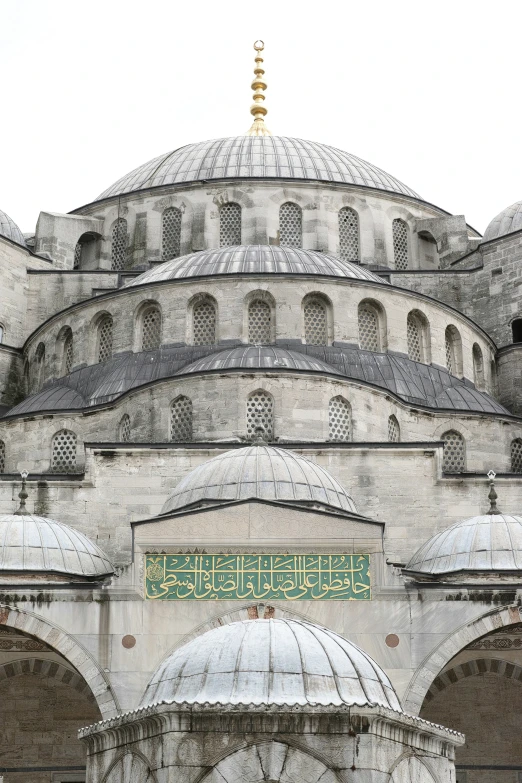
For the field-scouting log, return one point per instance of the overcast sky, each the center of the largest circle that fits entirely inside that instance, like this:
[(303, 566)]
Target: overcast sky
[(428, 91)]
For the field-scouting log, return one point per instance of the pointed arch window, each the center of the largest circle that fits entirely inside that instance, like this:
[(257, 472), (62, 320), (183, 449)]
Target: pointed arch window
[(181, 419), (516, 455), (104, 350), (394, 431), (349, 234), (400, 244), (124, 428), (290, 224), (204, 322), (230, 224), (453, 348), (63, 452), (170, 233), (39, 366), (259, 322), (2, 456), (68, 352), (339, 419), (150, 329), (478, 367), (369, 328), (417, 332), (315, 321), (260, 415), (77, 255), (119, 244), (454, 458)]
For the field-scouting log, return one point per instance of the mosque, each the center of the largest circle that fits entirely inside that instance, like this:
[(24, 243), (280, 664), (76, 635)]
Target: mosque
[(260, 477)]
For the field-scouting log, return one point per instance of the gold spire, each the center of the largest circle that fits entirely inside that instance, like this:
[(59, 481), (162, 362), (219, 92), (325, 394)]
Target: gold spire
[(259, 86)]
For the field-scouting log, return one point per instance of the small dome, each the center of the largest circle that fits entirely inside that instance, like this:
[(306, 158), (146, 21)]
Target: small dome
[(492, 542), (258, 357), (255, 259), (36, 544), (9, 229), (257, 157), (509, 220), (279, 662), (263, 473)]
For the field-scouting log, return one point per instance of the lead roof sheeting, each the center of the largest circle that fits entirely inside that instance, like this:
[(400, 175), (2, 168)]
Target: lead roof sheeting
[(510, 219), (9, 229)]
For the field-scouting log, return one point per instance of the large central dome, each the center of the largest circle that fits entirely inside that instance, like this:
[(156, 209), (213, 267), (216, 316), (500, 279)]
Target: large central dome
[(267, 157)]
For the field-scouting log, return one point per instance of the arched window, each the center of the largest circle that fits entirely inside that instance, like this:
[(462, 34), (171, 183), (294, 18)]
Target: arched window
[(369, 329), (2, 333), (68, 348), (454, 459), (124, 428), (259, 322), (2, 456), (204, 323), (348, 234), (77, 256), (105, 339), (394, 431), (63, 452), (230, 225), (290, 224), (339, 419), (315, 315), (478, 367), (260, 416), (453, 347), (417, 337), (516, 455), (170, 233), (400, 244), (39, 366), (516, 328), (181, 419), (150, 329), (119, 244)]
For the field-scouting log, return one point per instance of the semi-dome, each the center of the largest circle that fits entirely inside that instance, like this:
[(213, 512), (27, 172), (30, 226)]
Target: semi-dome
[(271, 662), (491, 542), (34, 544), (257, 157), (255, 259), (263, 473), (9, 229), (507, 221), (258, 357)]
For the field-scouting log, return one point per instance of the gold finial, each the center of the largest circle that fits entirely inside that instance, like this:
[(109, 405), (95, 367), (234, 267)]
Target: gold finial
[(259, 86)]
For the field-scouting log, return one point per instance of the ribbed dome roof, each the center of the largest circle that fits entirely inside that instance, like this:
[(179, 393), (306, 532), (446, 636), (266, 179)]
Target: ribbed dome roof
[(9, 229), (241, 157), (492, 542), (262, 472), (36, 544), (507, 221), (255, 259), (253, 357), (279, 662)]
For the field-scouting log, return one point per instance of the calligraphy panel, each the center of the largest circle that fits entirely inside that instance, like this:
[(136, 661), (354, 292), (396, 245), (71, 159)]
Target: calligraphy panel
[(258, 577)]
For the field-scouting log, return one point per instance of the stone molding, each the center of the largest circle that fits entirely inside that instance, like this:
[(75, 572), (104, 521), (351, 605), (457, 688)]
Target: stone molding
[(474, 668), (45, 668)]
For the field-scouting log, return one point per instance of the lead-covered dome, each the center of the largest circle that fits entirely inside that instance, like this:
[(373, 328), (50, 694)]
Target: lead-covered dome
[(258, 357), (242, 157), (271, 662), (507, 221), (261, 473), (254, 259), (9, 229), (34, 544)]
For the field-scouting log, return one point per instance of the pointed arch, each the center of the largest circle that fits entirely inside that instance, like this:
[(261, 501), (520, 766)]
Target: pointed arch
[(150, 327), (203, 310), (394, 430), (119, 244), (339, 419), (317, 319), (170, 233), (453, 348), (124, 428), (454, 457), (181, 420), (372, 326), (478, 366), (39, 366), (63, 452), (230, 224), (290, 224), (260, 415), (104, 339), (349, 234), (417, 337), (401, 243)]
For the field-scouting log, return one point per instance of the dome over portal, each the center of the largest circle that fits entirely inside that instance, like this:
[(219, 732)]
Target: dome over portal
[(262, 473), (9, 229), (258, 357), (256, 157), (272, 662), (507, 221)]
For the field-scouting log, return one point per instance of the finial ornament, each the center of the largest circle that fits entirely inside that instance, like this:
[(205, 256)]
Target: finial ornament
[(259, 86), (21, 510), (492, 496)]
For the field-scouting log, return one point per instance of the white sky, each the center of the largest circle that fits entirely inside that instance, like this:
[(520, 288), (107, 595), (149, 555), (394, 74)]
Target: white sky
[(429, 91)]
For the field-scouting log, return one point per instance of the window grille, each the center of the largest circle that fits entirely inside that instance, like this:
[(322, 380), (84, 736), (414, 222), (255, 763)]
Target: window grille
[(151, 329), (478, 366), (454, 452), (290, 224), (315, 324), (181, 419), (204, 323), (230, 225), (63, 457), (339, 419), (260, 412), (105, 340), (119, 244), (516, 456), (368, 330), (2, 456), (68, 355), (349, 234), (394, 431), (259, 322), (414, 339), (124, 429), (170, 234), (77, 256), (400, 244)]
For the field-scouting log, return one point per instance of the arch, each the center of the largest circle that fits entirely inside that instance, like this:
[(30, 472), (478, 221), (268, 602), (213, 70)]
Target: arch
[(453, 348), (372, 326), (339, 419), (260, 415), (65, 348), (259, 318), (2, 456), (87, 250), (104, 339), (516, 330), (181, 420), (454, 642), (63, 452), (417, 337), (150, 322), (409, 767), (349, 234), (516, 455), (230, 224), (290, 224), (46, 667), (401, 243), (394, 430), (448, 677), (39, 366), (204, 320), (131, 766), (124, 428), (73, 652), (454, 456), (317, 319), (170, 233), (119, 244), (478, 366)]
